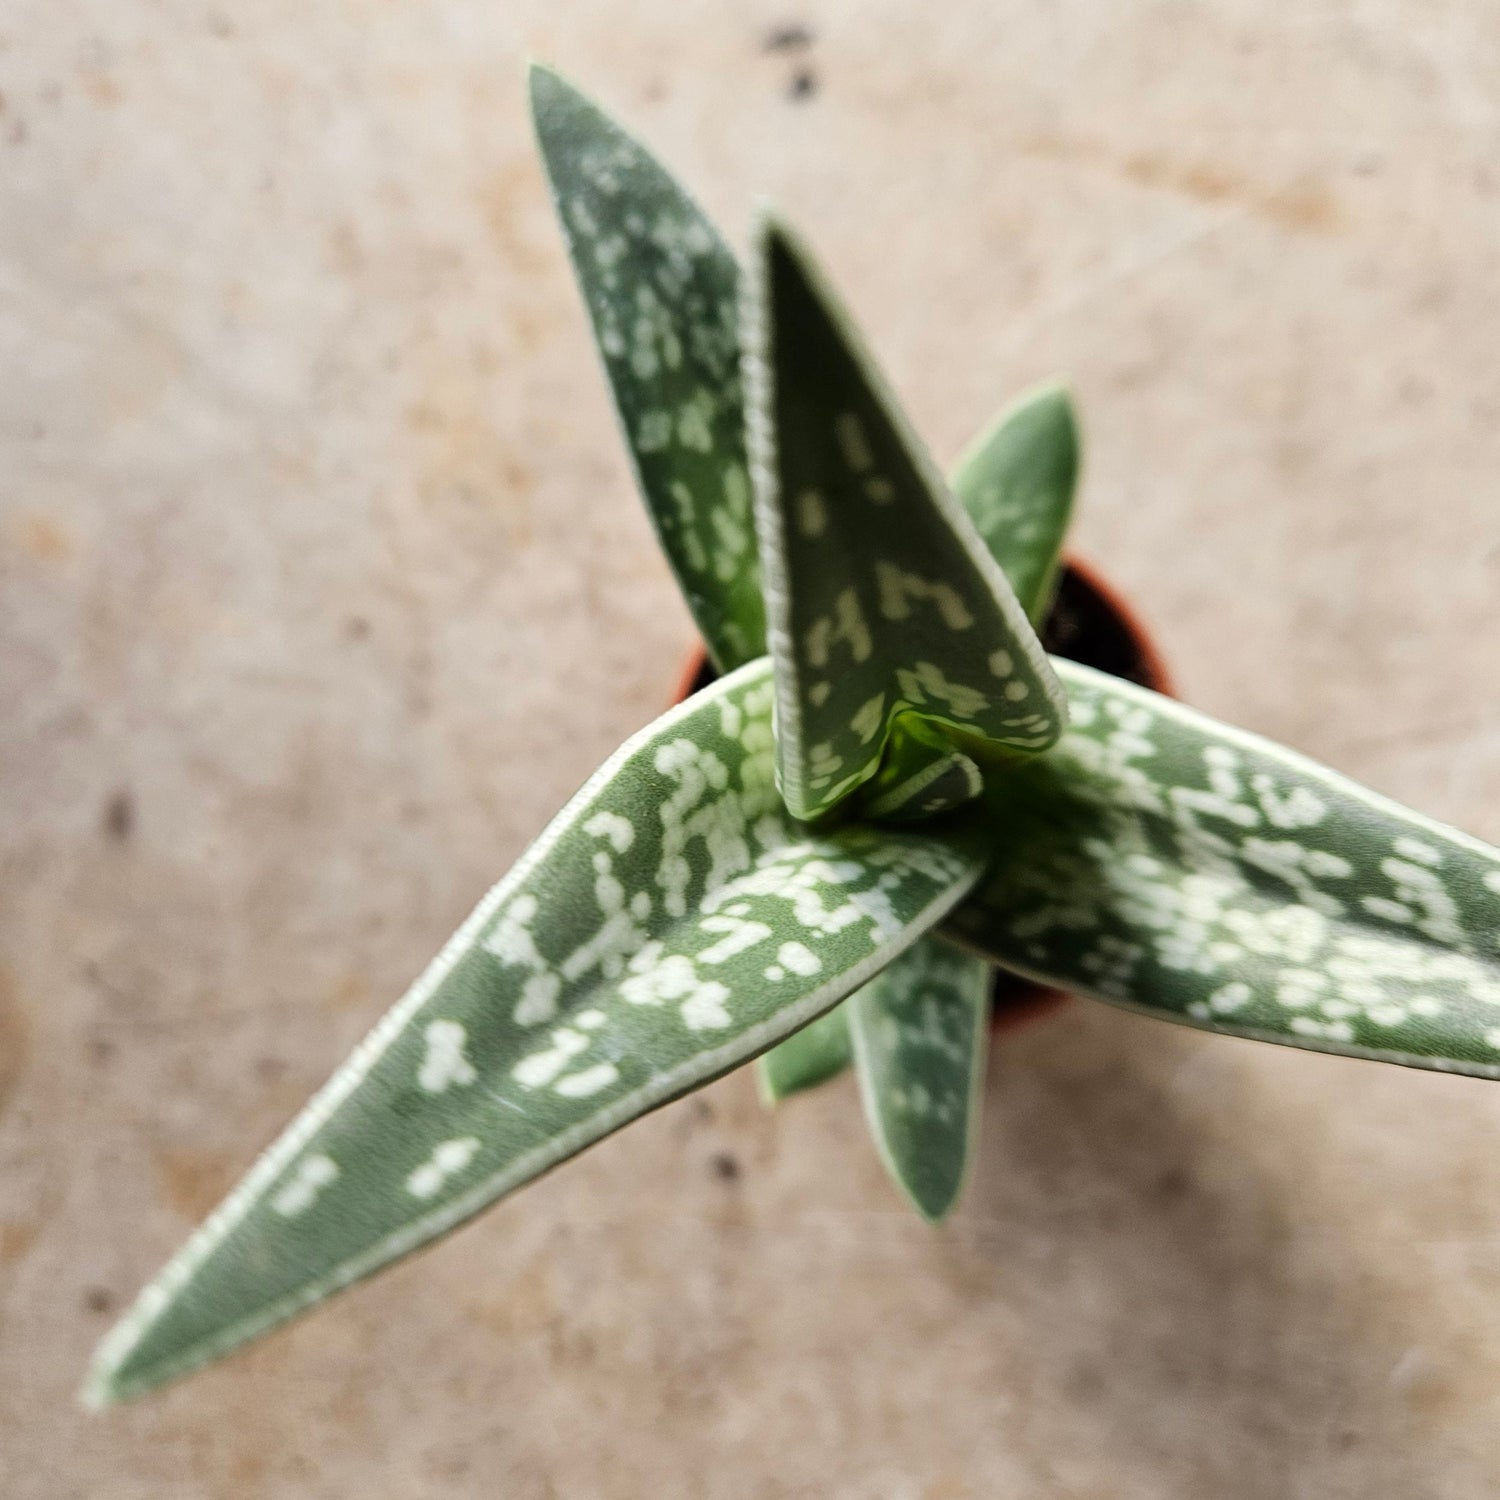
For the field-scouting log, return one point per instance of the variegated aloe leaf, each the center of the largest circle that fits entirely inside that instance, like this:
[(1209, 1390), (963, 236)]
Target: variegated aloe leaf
[(671, 923), (1162, 861), (808, 1057), (880, 596), (661, 289), (1017, 481), (919, 1031)]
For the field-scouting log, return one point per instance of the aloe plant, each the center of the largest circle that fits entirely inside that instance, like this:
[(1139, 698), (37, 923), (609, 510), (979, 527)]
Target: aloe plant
[(890, 790)]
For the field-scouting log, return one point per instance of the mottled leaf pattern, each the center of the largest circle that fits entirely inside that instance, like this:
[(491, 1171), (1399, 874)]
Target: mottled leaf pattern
[(1017, 483), (671, 923), (880, 596), (919, 1045), (1163, 861), (808, 1057), (661, 288)]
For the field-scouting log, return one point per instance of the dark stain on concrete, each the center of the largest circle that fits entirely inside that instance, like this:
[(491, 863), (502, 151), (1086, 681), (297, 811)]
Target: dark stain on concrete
[(17, 1236), (803, 86), (792, 36), (119, 816)]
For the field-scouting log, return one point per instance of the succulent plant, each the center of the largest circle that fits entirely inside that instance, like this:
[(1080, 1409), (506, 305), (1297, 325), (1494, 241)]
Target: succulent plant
[(890, 790)]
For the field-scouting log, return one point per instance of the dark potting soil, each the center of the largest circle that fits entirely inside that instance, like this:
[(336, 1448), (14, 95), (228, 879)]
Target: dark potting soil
[(1084, 626)]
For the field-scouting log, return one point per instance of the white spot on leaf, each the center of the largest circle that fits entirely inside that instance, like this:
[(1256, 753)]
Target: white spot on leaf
[(589, 1081), (313, 1174), (619, 831), (445, 1065), (447, 1159), (799, 958), (542, 1067)]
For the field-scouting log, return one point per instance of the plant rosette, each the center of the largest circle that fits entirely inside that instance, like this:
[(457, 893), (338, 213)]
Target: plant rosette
[(1087, 622), (818, 860)]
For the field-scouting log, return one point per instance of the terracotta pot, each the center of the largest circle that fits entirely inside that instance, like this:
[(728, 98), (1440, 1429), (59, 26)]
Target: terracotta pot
[(1089, 623)]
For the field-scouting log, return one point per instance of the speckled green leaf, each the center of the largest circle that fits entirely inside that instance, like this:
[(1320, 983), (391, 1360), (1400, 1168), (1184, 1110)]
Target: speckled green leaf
[(1017, 483), (1168, 863), (880, 596), (808, 1057), (919, 1045), (661, 288), (671, 923)]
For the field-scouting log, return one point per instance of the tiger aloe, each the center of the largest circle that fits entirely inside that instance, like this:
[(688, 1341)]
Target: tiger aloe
[(822, 857)]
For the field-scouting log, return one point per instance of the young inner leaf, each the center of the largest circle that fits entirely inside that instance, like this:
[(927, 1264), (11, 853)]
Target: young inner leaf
[(881, 598), (920, 776)]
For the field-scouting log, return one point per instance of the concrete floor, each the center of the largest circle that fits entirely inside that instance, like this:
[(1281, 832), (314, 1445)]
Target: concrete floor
[(323, 585)]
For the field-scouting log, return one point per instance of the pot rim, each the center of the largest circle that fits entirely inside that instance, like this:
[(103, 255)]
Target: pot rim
[(1142, 638)]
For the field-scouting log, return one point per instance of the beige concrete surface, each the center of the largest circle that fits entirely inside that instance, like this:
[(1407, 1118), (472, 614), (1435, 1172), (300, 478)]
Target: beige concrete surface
[(323, 584)]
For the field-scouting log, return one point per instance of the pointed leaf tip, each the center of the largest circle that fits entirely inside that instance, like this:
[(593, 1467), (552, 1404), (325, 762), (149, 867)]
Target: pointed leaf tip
[(545, 86), (662, 292), (919, 1034), (881, 597)]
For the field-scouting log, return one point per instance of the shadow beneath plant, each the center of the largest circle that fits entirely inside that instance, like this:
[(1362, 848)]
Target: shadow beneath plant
[(1171, 1319)]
